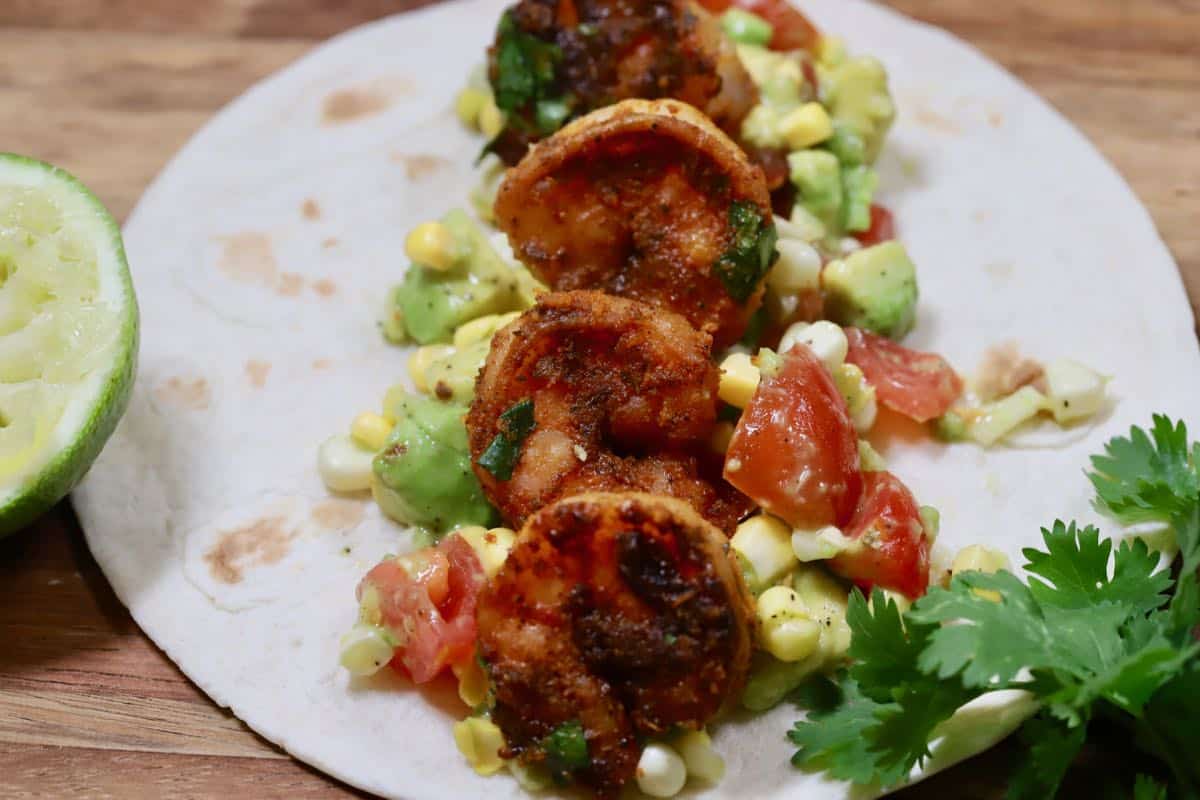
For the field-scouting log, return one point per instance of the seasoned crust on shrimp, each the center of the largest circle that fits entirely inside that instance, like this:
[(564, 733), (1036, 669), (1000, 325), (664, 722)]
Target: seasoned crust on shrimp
[(613, 50), (635, 200), (624, 396), (625, 612)]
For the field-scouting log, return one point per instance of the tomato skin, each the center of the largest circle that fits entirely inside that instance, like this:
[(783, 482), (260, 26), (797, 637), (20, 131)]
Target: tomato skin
[(883, 227), (431, 613), (793, 30), (895, 549), (921, 386), (794, 450)]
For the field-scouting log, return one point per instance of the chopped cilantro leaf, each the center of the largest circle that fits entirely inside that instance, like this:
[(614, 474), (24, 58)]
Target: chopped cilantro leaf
[(752, 252), (566, 749), (503, 452), (525, 66)]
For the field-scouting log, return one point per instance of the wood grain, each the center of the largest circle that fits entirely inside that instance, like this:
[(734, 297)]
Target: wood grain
[(111, 89)]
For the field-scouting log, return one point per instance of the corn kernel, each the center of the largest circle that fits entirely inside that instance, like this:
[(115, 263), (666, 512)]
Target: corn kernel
[(739, 380), (766, 543), (660, 771), (827, 341), (343, 465), (699, 756), (472, 682), (798, 268), (420, 362), (831, 50), (480, 740), (366, 649), (432, 245), (979, 558), (786, 630), (371, 430), (491, 546), (468, 105), (491, 119), (806, 126), (825, 600), (481, 328)]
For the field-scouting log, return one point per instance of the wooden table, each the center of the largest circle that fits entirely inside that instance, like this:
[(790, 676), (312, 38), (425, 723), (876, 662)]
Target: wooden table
[(110, 89)]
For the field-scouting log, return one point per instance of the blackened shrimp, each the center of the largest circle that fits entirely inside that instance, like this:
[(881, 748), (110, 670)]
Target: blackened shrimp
[(620, 616), (591, 392), (570, 57), (646, 200)]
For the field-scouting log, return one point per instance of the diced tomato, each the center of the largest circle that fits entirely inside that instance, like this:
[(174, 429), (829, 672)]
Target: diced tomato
[(794, 451), (883, 227), (918, 385), (430, 610), (793, 30), (894, 550)]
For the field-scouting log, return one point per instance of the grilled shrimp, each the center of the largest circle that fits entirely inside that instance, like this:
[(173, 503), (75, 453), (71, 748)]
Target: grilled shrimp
[(647, 200), (612, 50), (621, 613), (591, 392)]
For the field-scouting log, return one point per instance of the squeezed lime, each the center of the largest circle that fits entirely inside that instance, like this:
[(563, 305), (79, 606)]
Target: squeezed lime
[(68, 335)]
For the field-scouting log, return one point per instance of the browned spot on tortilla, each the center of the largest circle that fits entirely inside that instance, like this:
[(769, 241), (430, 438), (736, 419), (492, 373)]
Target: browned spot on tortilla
[(190, 393), (310, 209), (332, 241), (419, 167), (979, 216), (322, 363), (248, 258), (928, 118), (1003, 370), (995, 118), (338, 514), (325, 287), (347, 105), (260, 543), (257, 371), (290, 284)]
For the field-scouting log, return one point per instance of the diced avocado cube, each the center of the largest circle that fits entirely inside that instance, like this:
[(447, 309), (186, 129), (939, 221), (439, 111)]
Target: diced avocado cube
[(856, 93), (433, 303), (873, 288), (423, 475), (847, 145), (818, 177), (858, 189)]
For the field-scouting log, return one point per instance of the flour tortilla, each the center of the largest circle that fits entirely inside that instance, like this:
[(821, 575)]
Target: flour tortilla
[(262, 255)]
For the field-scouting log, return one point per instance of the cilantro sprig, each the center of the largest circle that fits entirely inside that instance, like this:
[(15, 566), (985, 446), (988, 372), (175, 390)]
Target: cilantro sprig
[(1096, 631)]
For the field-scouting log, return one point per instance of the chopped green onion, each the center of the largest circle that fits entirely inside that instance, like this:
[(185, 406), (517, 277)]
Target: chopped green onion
[(504, 451)]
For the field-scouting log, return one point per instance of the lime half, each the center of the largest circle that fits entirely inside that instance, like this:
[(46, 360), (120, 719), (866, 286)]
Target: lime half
[(68, 335)]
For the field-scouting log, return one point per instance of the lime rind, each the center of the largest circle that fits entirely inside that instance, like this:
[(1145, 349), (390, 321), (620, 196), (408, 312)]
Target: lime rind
[(96, 403)]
